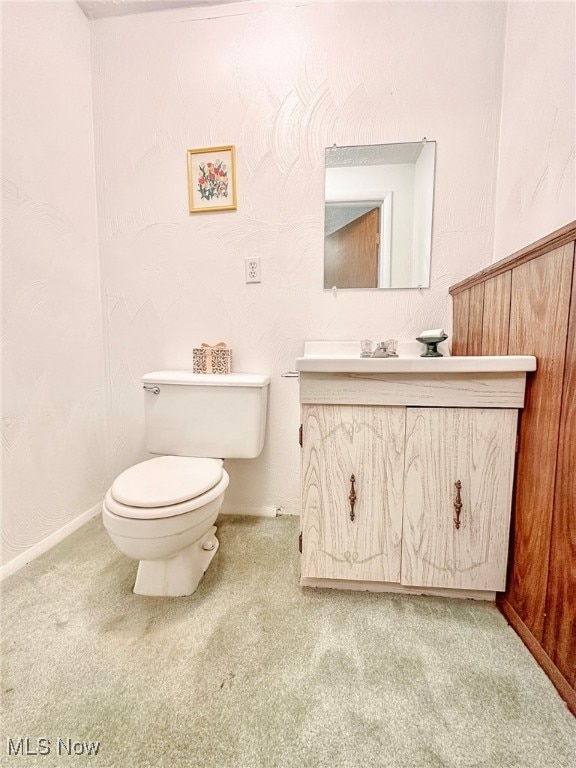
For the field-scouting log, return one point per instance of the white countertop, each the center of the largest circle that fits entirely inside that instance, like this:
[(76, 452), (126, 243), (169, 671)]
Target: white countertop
[(344, 357)]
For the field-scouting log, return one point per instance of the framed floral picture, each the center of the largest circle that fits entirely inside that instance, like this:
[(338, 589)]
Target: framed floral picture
[(212, 179)]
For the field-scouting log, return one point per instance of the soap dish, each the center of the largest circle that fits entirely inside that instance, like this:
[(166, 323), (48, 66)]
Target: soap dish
[(431, 343)]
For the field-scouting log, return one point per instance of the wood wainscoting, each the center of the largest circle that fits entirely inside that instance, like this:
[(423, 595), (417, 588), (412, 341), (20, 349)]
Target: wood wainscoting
[(526, 305)]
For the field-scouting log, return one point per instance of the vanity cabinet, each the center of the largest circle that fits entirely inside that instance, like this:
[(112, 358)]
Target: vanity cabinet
[(400, 495), (458, 473), (352, 465)]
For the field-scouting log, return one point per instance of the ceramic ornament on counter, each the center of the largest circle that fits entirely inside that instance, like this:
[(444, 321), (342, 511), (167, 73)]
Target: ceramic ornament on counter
[(431, 339)]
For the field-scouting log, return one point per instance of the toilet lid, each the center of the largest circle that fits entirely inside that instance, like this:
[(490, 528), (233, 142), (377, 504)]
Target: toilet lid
[(166, 480)]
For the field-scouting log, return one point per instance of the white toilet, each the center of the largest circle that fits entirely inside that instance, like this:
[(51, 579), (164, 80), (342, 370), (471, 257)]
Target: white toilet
[(162, 511)]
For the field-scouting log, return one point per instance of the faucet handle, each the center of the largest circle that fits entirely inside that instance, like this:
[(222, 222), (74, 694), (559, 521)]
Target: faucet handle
[(366, 348), (391, 348)]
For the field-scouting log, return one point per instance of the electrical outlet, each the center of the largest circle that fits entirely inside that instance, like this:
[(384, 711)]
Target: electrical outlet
[(252, 267)]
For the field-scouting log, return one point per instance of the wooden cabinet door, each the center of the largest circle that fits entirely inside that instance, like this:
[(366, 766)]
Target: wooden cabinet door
[(338, 442), (474, 446)]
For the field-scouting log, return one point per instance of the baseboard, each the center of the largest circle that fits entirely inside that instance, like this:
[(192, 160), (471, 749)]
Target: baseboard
[(50, 541), (248, 509), (400, 589), (556, 677)]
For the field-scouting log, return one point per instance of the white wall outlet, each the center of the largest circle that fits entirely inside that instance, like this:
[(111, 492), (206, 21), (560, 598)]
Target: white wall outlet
[(252, 267)]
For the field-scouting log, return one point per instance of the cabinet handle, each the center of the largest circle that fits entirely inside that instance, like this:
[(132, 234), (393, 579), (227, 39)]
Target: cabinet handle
[(352, 497), (457, 504)]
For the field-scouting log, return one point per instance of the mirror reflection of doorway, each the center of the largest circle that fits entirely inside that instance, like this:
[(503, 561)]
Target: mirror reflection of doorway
[(351, 253), (357, 240)]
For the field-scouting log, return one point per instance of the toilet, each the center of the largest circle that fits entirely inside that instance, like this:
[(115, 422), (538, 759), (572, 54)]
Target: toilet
[(162, 510)]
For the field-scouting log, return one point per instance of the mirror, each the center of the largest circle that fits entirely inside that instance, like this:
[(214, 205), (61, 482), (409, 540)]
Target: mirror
[(378, 215)]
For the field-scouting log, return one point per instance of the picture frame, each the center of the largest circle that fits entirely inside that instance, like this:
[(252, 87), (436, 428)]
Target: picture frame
[(212, 179)]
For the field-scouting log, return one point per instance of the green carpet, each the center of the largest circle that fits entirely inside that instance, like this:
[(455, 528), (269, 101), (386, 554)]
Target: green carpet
[(253, 670)]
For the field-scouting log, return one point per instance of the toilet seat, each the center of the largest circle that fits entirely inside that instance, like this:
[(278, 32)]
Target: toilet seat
[(166, 486)]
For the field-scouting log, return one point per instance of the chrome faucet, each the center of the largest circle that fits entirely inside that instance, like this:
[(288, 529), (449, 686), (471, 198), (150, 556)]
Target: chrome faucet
[(381, 349), (386, 349)]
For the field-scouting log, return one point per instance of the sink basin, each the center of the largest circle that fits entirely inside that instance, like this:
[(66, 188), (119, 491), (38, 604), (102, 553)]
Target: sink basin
[(344, 357)]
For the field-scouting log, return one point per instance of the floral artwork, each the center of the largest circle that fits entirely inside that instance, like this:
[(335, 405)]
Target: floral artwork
[(211, 179)]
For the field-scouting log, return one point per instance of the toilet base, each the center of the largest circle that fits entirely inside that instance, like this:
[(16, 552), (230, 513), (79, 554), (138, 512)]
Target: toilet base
[(179, 575)]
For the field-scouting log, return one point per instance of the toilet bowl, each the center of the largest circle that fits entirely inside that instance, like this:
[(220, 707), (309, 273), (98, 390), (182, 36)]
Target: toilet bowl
[(161, 512)]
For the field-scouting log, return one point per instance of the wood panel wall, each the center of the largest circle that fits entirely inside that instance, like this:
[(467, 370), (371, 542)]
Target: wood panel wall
[(526, 304)]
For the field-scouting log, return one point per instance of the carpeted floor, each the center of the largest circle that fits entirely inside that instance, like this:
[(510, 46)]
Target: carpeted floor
[(253, 671)]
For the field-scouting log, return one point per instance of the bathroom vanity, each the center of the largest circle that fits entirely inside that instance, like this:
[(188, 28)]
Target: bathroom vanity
[(407, 470)]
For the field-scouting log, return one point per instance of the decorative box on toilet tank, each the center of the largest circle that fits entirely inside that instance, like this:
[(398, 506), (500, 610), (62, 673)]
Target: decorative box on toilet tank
[(216, 359)]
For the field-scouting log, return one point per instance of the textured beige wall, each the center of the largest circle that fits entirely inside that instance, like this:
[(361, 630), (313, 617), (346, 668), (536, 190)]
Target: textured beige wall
[(537, 166), (281, 82), (53, 406)]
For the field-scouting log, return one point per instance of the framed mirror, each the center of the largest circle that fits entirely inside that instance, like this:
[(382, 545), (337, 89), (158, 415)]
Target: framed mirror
[(378, 215)]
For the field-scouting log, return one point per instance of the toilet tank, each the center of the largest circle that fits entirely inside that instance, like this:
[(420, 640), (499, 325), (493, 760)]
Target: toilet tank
[(205, 415)]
